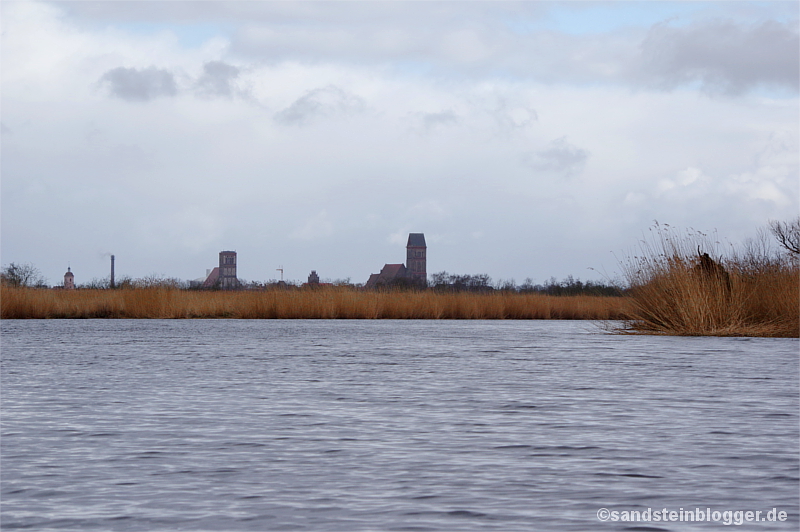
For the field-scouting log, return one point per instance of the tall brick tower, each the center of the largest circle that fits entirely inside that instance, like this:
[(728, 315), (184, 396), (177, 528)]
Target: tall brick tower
[(416, 257), (227, 270)]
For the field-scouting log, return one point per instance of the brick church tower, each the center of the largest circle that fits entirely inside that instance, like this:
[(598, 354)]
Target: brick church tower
[(416, 257), (227, 270)]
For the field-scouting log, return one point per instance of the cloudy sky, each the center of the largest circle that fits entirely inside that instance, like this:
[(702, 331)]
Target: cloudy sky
[(525, 139)]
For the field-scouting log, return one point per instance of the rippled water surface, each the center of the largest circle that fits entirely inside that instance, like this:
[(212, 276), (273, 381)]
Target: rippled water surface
[(232, 425)]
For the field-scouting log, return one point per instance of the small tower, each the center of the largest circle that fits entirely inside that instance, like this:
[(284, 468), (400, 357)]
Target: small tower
[(313, 279), (416, 257), (69, 280), (227, 270)]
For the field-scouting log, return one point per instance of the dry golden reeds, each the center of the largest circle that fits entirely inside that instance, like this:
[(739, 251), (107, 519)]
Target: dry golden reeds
[(674, 290), (325, 303)]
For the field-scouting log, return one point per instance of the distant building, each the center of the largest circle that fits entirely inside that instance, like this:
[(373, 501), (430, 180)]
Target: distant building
[(416, 257), (413, 272), (69, 280), (227, 270), (224, 275), (211, 279), (390, 273), (313, 281)]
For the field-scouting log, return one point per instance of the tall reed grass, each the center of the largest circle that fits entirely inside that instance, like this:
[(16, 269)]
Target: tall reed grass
[(671, 293), (325, 303)]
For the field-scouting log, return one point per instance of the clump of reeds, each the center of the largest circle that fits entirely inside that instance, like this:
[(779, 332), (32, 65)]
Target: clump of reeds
[(673, 290), (324, 303)]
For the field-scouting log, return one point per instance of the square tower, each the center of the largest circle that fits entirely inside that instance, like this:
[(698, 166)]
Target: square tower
[(416, 257), (227, 270)]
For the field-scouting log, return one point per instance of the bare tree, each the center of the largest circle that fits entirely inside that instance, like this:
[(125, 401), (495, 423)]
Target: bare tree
[(787, 234), (23, 275), (155, 280)]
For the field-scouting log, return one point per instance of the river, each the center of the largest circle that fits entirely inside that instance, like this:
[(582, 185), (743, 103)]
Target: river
[(373, 425)]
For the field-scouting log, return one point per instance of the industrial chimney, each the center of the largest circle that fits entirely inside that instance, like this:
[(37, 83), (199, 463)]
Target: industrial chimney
[(112, 271)]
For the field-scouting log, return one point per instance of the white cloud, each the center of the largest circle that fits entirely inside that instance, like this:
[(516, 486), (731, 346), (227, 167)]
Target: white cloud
[(465, 46), (194, 228), (399, 238), (634, 198), (685, 178), (314, 228), (296, 131), (775, 177), (428, 209)]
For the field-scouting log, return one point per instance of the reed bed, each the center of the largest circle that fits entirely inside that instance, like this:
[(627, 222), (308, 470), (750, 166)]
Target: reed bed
[(671, 292), (324, 303)]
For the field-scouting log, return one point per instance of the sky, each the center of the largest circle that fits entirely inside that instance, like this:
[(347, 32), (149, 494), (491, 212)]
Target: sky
[(524, 139)]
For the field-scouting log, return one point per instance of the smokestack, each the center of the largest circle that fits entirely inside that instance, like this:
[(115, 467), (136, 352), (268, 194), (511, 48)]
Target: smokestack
[(112, 271)]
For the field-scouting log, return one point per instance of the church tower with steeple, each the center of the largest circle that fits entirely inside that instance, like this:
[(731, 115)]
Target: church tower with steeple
[(69, 280)]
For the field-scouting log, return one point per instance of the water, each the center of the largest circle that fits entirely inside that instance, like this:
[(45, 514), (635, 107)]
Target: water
[(126, 425)]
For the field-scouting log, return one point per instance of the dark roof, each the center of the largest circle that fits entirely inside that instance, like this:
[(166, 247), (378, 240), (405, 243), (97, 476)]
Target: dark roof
[(389, 273), (416, 240)]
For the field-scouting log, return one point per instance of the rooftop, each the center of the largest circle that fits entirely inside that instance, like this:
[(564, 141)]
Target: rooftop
[(416, 240)]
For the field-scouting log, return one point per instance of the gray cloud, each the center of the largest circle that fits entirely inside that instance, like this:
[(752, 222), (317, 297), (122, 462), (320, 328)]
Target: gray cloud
[(512, 117), (217, 79), (474, 40), (559, 157), (431, 121), (722, 56), (136, 85), (318, 103)]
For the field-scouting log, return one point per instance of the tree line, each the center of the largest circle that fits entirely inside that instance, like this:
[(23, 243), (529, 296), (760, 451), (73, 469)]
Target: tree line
[(27, 275), (785, 234), (570, 286)]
